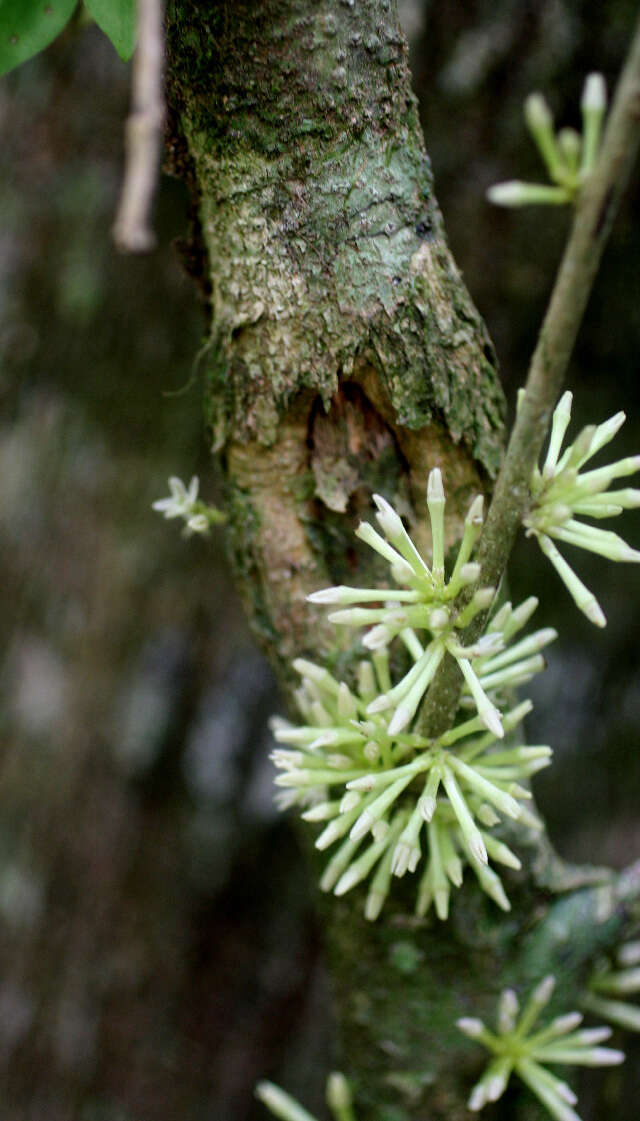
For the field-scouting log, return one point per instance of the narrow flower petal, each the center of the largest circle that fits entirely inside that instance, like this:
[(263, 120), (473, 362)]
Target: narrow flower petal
[(486, 789), (582, 597), (559, 425), (280, 1104), (596, 540), (558, 1107), (378, 807), (368, 534), (360, 868), (487, 712), (508, 1008), (409, 703), (539, 120), (468, 827), (346, 595), (435, 505), (472, 527), (439, 882), (621, 982), (515, 192), (339, 1096), (381, 881), (594, 100), (617, 1011)]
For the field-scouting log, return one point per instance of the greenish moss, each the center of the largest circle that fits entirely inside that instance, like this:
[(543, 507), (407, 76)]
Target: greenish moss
[(353, 239), (404, 956)]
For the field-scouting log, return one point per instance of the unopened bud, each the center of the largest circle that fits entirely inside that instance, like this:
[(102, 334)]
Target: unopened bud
[(537, 113), (594, 94), (516, 193), (570, 144), (338, 1092)]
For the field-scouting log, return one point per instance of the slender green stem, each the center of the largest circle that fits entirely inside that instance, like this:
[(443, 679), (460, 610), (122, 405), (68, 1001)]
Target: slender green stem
[(596, 209)]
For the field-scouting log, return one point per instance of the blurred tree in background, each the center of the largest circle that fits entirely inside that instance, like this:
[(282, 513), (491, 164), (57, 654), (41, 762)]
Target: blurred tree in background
[(157, 935)]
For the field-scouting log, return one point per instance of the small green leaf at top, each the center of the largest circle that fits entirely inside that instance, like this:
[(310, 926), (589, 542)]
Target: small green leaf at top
[(28, 26), (118, 20)]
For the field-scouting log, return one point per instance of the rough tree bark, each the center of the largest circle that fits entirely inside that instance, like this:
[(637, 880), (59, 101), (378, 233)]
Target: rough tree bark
[(345, 356)]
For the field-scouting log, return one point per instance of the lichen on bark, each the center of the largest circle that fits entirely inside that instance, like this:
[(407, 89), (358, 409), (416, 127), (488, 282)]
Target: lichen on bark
[(327, 259)]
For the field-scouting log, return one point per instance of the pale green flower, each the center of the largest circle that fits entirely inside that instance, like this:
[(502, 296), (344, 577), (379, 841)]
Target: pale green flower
[(360, 763), (183, 503), (385, 794), (426, 603), (181, 500), (516, 1048), (561, 493), (568, 157)]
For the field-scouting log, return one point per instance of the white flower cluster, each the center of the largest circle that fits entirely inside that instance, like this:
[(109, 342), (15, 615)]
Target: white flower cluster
[(517, 1049), (360, 762), (183, 503), (426, 603), (395, 791), (561, 493), (568, 157)]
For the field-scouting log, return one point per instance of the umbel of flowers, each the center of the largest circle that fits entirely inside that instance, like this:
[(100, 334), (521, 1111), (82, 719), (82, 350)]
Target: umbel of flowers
[(426, 603), (569, 157), (518, 1046), (519, 1049), (392, 797), (562, 493)]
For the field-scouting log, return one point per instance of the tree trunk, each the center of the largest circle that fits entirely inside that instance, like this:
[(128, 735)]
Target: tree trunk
[(346, 357)]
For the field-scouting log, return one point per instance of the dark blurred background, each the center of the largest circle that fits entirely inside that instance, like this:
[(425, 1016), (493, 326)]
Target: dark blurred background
[(158, 946)]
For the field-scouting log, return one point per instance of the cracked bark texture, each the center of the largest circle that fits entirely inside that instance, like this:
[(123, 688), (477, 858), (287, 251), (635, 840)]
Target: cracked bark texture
[(345, 356)]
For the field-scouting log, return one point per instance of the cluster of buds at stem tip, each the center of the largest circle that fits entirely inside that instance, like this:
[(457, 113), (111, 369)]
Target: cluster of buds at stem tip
[(388, 799), (282, 1105), (183, 502), (517, 1048), (568, 156), (426, 602), (611, 986), (561, 493)]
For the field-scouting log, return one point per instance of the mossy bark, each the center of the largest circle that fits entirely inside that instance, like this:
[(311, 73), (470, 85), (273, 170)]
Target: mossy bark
[(334, 297), (345, 357)]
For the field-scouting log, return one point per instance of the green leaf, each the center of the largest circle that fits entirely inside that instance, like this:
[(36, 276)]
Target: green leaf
[(118, 20), (28, 26)]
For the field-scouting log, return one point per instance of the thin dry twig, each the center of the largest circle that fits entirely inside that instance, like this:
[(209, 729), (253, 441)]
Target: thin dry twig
[(132, 230)]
